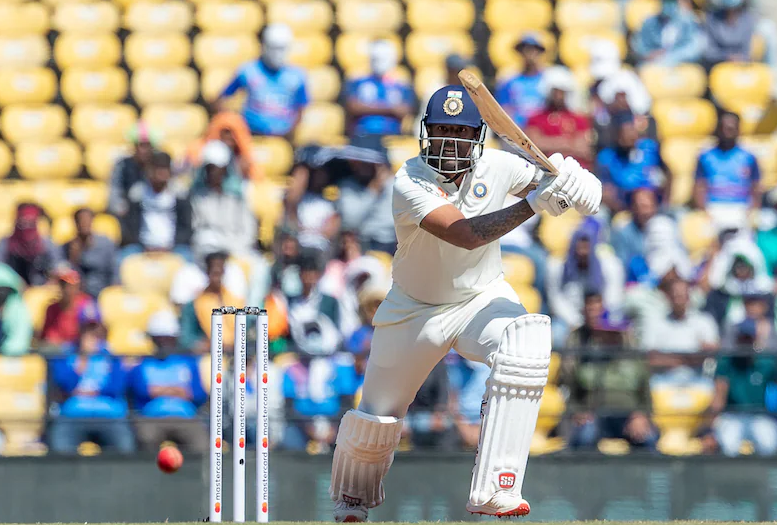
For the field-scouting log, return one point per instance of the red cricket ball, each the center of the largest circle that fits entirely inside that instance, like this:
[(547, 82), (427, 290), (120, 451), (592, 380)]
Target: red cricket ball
[(169, 459)]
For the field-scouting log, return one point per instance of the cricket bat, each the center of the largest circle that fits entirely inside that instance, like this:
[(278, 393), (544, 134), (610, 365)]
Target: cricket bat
[(501, 123)]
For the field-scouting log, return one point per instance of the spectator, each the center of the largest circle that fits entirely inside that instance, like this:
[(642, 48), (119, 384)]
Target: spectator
[(767, 232), (730, 26), (92, 384), (231, 129), (427, 422), (378, 103), (633, 163), (61, 322), (311, 298), (275, 91), (727, 177), (131, 170), (159, 218), (628, 239), (671, 37), (600, 328), (359, 343), (520, 94), (26, 251), (662, 251), (740, 397), (167, 391), (92, 254), (15, 319), (556, 127), (758, 307)]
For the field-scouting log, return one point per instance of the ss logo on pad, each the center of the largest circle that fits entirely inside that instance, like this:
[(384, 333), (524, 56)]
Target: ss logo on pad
[(506, 480)]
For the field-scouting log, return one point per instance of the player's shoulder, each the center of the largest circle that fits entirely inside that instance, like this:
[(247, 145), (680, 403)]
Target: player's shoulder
[(502, 160), (412, 177)]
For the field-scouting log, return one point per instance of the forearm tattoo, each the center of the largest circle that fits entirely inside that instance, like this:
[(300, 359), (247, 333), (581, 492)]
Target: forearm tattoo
[(492, 226)]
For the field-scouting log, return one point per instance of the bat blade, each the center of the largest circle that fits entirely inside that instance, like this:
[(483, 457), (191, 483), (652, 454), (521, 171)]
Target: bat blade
[(501, 123)]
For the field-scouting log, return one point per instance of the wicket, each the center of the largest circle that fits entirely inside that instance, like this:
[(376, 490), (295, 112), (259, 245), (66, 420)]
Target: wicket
[(239, 415)]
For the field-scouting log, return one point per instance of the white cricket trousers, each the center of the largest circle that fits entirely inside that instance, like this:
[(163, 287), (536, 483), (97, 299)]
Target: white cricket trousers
[(411, 338)]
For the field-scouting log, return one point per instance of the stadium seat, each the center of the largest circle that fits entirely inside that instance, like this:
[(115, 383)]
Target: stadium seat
[(400, 149), (311, 50), (678, 413), (683, 80), (518, 269), (574, 44), (100, 156), (176, 121), (87, 51), (214, 81), (101, 122), (449, 15), (230, 17), (428, 49), (63, 198), (93, 85), (153, 86), (734, 82), (159, 51), (121, 307), (275, 155), (86, 18), (697, 232), (323, 84), (38, 122), (176, 148), (23, 19), (590, 15), (531, 299), (516, 15), (351, 49), (684, 118), (59, 159), (637, 11), (215, 50), (23, 373), (765, 150), (320, 121), (555, 232), (6, 161), (370, 16), (173, 16), (24, 51), (680, 154), (27, 86), (64, 230), (750, 114), (266, 200), (129, 341), (150, 272), (302, 16), (38, 299), (501, 48), (552, 408)]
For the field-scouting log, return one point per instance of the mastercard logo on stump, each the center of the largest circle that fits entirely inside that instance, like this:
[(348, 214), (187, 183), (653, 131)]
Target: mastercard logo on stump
[(242, 442), (217, 508), (242, 378), (264, 442), (264, 378), (264, 507), (218, 442), (218, 378)]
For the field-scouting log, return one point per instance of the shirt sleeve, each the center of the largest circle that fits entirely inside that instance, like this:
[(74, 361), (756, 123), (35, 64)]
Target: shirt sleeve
[(701, 174), (301, 96), (709, 330), (415, 198), (755, 170), (521, 173), (237, 83)]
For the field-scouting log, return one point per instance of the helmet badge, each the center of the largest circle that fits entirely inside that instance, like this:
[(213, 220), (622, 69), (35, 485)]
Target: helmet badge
[(453, 105)]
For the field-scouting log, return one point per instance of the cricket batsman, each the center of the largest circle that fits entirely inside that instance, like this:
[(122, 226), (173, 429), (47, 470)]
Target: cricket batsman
[(449, 292)]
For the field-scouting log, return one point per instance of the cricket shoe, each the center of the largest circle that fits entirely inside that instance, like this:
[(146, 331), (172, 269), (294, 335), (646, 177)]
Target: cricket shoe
[(346, 512), (502, 504)]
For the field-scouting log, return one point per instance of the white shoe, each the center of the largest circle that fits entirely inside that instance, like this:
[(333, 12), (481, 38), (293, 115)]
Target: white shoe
[(350, 512), (501, 504)]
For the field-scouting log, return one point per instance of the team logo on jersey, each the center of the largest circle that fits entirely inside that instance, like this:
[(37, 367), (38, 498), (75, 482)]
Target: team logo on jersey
[(453, 105), (479, 190), (506, 480)]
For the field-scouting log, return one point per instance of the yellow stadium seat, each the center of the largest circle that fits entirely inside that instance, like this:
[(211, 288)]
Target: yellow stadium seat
[(428, 79), (370, 16), (29, 18), (449, 15), (174, 16), (587, 15), (501, 48), (93, 85), (311, 50), (734, 82), (683, 80), (62, 199), (230, 17), (574, 45), (38, 299), (101, 122), (176, 148), (428, 49), (678, 412), (697, 232), (87, 51), (86, 18), (214, 81), (23, 374), (27, 86), (151, 86), (684, 118), (301, 16), (150, 272), (518, 269), (554, 369), (552, 408), (637, 11), (400, 149), (530, 298), (266, 201), (319, 121), (274, 154), (64, 228), (59, 159), (323, 84), (352, 49), (555, 232), (215, 50), (765, 150), (515, 15), (121, 307), (176, 121), (21, 421), (24, 51), (680, 153), (6, 161), (38, 122), (100, 157), (129, 341), (750, 114), (160, 51)]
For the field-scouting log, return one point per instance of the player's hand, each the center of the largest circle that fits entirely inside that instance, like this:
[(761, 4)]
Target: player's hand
[(554, 203), (580, 186)]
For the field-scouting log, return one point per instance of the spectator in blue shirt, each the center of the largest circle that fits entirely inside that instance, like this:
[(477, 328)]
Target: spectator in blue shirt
[(727, 177), (377, 104), (632, 163), (628, 239), (167, 390), (276, 93), (520, 95), (671, 37), (92, 383)]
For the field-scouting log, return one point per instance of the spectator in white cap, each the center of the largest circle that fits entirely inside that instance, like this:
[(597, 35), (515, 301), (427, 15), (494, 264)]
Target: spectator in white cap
[(275, 91), (520, 94)]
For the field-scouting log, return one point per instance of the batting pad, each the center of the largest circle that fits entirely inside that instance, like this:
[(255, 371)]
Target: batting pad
[(363, 454), (519, 372)]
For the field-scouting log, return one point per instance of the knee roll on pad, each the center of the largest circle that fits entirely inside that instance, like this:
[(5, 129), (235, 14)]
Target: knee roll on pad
[(363, 454), (519, 372)]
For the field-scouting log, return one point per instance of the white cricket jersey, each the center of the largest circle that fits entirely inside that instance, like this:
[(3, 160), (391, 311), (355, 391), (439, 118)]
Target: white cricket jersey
[(429, 269)]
